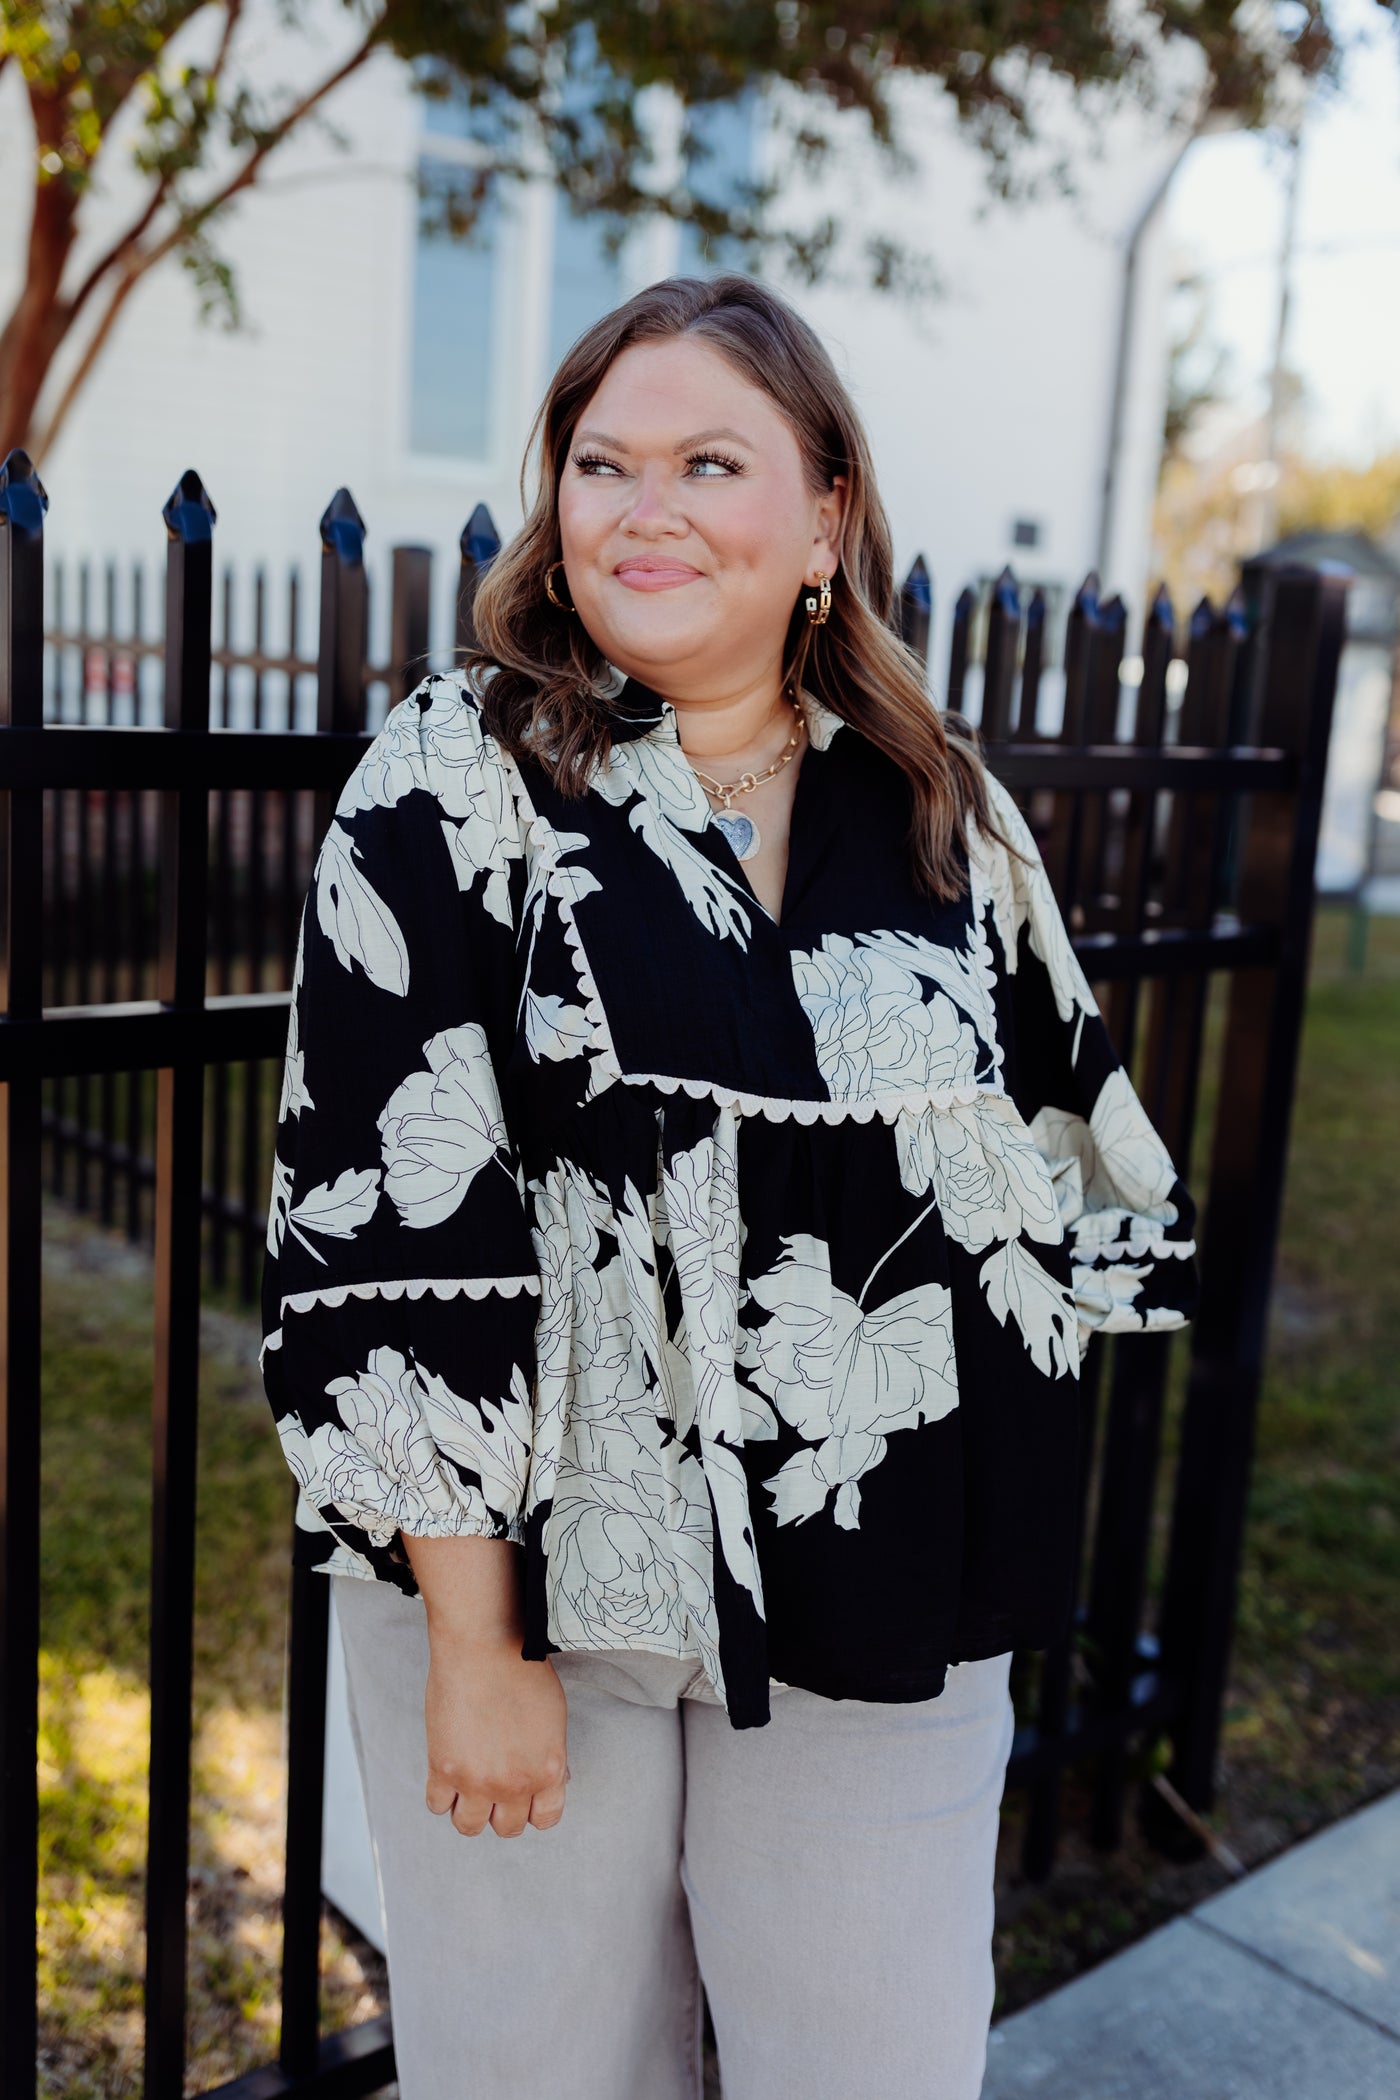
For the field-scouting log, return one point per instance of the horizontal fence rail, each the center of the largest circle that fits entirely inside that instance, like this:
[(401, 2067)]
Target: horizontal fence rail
[(154, 866)]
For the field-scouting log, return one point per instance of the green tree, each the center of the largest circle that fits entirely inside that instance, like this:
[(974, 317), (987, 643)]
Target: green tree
[(551, 82)]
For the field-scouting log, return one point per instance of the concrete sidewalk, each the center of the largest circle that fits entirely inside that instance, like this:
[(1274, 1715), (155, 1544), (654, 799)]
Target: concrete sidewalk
[(1284, 1987)]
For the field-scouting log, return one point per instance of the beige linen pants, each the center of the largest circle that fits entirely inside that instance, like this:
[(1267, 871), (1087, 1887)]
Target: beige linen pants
[(829, 1877)]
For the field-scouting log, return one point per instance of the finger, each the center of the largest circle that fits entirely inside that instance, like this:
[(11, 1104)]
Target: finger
[(547, 1807), (508, 1817), (470, 1814), (441, 1794)]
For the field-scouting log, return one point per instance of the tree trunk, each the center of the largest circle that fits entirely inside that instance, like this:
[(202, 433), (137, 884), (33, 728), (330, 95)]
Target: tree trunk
[(40, 318)]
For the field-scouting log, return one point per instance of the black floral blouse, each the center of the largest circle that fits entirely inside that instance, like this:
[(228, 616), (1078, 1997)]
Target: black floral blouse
[(740, 1270)]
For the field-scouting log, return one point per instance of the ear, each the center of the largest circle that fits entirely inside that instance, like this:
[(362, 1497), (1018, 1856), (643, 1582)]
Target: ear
[(830, 523)]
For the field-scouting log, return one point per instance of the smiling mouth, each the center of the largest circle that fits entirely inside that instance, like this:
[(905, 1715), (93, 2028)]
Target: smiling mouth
[(646, 573)]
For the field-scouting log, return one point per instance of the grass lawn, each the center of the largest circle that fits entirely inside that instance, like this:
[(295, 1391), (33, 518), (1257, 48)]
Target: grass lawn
[(95, 1708), (1313, 1717)]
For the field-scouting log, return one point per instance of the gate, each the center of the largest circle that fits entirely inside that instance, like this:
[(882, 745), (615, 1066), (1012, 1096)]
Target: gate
[(1179, 822)]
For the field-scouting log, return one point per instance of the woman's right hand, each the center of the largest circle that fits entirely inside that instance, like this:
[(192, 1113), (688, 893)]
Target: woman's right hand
[(496, 1736), (496, 1723)]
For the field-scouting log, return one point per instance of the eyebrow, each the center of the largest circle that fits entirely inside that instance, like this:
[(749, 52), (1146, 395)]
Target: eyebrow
[(701, 437)]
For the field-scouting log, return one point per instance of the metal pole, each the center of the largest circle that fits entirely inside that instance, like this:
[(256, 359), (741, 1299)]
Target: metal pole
[(1123, 354), (184, 852), (1268, 488), (22, 506)]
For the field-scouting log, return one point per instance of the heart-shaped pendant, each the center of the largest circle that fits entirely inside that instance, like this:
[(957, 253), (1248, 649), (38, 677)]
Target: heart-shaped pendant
[(741, 833)]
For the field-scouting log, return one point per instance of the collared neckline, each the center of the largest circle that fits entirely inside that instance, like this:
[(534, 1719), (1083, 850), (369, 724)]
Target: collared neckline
[(640, 712)]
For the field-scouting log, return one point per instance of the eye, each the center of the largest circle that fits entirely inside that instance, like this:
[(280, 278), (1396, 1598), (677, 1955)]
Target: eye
[(712, 466), (595, 463)]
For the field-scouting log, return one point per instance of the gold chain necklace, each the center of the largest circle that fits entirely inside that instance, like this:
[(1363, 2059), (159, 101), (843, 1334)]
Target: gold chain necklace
[(737, 826)]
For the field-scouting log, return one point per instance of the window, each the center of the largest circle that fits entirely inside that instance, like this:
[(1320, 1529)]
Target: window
[(454, 324), (585, 280), (725, 164)]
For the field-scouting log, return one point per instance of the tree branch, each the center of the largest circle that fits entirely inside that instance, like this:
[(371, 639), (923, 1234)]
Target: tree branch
[(91, 351), (136, 262), (126, 241), (233, 10), (191, 220)]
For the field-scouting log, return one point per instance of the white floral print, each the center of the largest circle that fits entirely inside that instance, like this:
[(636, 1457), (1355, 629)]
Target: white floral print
[(401, 1435), (1018, 1288), (358, 924), (983, 1165), (334, 1210), (874, 1030), (555, 1029), (669, 802), (294, 1095), (843, 1378), (1021, 895), (393, 766), (441, 1127), (957, 972), (657, 769)]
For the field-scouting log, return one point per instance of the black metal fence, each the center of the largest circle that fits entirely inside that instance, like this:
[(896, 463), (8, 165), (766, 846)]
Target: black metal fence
[(151, 875)]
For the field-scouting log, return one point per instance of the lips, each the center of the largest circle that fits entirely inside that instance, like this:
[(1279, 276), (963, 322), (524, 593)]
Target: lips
[(654, 572)]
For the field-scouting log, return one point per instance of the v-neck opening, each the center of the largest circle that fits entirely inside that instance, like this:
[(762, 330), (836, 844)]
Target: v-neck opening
[(799, 795), (651, 719)]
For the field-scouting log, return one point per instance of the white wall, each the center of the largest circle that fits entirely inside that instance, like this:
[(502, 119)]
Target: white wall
[(992, 403), (989, 404)]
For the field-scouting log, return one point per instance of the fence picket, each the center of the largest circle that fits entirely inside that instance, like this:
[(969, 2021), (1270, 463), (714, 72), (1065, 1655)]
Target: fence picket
[(189, 518), (1032, 666), (23, 503), (1002, 646), (914, 612), (480, 543)]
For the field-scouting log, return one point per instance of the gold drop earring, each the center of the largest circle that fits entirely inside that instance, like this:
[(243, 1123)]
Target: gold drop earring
[(819, 607)]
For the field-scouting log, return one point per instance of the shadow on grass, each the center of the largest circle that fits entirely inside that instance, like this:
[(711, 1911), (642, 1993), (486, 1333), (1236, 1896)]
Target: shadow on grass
[(95, 1705)]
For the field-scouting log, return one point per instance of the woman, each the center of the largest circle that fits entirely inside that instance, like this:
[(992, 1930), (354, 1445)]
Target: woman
[(700, 1164)]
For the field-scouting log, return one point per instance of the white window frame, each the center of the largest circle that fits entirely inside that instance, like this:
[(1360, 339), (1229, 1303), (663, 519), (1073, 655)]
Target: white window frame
[(514, 318)]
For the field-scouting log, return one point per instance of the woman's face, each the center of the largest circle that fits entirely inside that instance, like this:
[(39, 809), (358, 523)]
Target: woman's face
[(687, 524)]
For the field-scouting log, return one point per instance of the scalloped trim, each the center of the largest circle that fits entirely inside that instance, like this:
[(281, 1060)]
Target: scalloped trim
[(1088, 1258), (415, 1287), (986, 966), (850, 1108)]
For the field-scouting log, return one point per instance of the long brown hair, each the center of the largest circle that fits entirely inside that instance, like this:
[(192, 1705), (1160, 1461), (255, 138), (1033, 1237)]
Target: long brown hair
[(543, 697)]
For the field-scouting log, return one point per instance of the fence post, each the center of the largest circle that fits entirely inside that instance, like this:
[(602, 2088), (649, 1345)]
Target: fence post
[(184, 852), (410, 603), (1299, 614), (964, 606), (22, 506), (340, 660), (340, 710), (1032, 664), (480, 544), (914, 612), (1003, 640)]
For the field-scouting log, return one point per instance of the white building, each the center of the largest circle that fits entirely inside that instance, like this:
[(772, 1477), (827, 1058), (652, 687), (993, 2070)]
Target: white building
[(408, 368)]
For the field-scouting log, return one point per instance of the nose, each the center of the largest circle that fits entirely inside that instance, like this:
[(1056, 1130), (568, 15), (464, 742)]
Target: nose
[(652, 512)]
